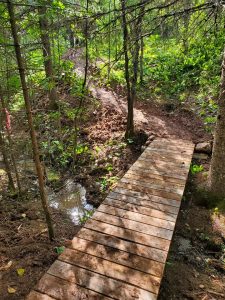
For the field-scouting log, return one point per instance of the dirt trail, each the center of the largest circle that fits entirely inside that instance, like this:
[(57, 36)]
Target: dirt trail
[(108, 98), (148, 116)]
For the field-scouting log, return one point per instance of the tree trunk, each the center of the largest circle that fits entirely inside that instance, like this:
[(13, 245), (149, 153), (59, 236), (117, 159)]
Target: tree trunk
[(70, 37), (130, 114), (47, 57), (35, 147), (6, 159), (11, 145), (142, 62), (78, 112), (217, 170), (109, 42)]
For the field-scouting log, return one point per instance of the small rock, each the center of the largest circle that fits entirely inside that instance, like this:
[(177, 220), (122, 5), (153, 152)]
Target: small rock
[(200, 156), (31, 215), (184, 245), (201, 286), (196, 274), (205, 147)]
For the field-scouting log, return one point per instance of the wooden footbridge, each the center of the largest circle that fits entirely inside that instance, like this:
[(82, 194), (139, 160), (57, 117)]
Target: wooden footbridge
[(121, 252)]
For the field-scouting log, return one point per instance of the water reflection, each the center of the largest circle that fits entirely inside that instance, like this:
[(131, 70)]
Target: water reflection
[(71, 199)]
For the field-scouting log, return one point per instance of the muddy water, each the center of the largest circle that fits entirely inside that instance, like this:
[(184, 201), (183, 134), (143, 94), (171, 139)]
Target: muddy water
[(71, 200)]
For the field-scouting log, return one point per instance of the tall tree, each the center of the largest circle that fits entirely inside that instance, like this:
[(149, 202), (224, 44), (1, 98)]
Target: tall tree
[(6, 158), (10, 142), (21, 67), (130, 115), (217, 170), (47, 55)]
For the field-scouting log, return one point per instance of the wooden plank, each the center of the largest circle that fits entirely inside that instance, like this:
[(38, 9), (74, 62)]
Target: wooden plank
[(174, 142), (135, 216), (150, 211), (168, 188), (64, 290), (113, 270), (133, 225), (99, 283), (117, 256), (153, 160), (176, 153), (160, 170), (158, 159), (34, 295), (150, 178), (128, 234), (170, 149), (117, 243), (152, 191), (160, 166), (154, 171), (144, 199)]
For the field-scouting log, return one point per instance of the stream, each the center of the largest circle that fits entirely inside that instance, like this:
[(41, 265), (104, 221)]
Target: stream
[(71, 200)]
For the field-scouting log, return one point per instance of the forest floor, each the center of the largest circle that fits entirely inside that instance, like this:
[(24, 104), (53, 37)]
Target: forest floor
[(195, 268)]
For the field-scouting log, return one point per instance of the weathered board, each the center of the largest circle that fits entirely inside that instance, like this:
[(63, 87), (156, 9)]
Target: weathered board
[(120, 253)]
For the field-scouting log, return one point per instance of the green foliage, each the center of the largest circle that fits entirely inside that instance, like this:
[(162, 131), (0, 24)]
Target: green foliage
[(174, 70), (86, 216), (59, 250), (107, 182), (196, 169)]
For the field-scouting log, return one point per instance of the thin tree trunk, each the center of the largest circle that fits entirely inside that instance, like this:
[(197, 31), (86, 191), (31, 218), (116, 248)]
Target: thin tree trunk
[(109, 45), (130, 114), (11, 147), (135, 58), (6, 160), (142, 62), (78, 112), (35, 147), (47, 55), (86, 50), (217, 170), (116, 38)]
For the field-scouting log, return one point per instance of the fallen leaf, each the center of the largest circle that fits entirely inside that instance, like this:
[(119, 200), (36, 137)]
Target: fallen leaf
[(6, 267), (11, 290), (20, 271)]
